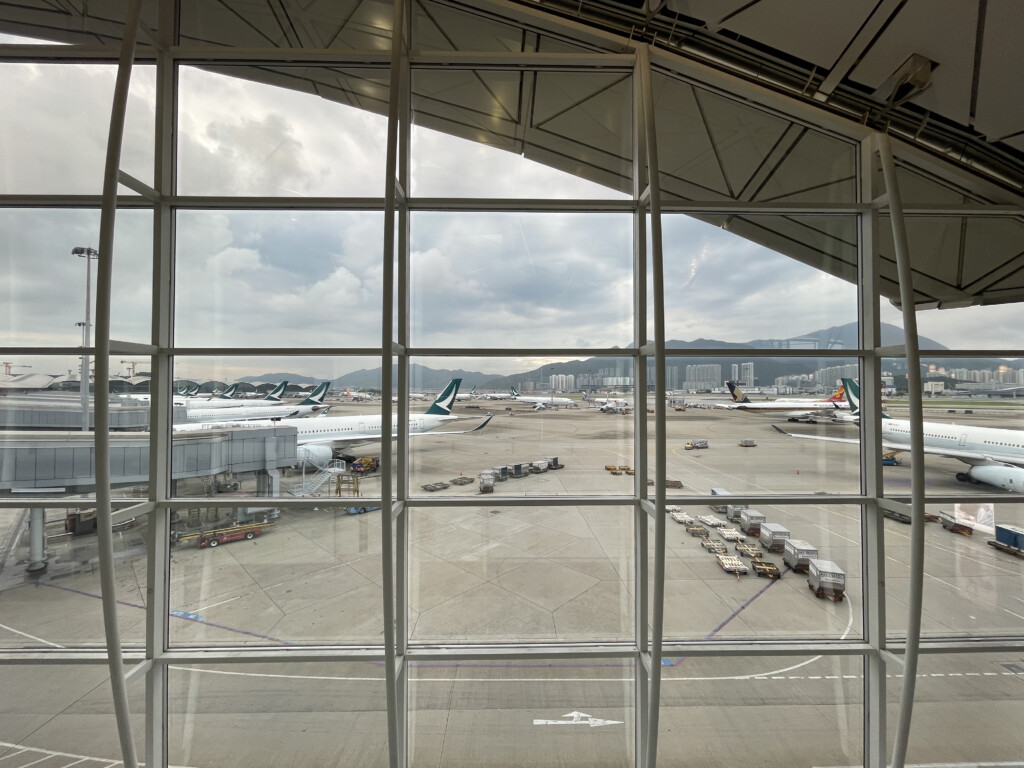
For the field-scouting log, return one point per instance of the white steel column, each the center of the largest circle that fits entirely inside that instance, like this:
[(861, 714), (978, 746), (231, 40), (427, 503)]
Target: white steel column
[(393, 197), (872, 527), (653, 197), (161, 394), (101, 402), (899, 235)]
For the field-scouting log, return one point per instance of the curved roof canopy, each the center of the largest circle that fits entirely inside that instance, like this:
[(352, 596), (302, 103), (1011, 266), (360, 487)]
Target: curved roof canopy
[(761, 106)]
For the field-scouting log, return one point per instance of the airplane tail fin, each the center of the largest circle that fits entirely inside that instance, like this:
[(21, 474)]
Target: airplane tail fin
[(228, 393), (852, 391), (735, 393), (275, 394), (586, 398), (839, 396), (513, 391), (442, 406), (316, 397)]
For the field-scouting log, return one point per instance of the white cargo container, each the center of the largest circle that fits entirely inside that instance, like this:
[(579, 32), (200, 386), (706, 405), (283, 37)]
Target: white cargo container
[(751, 521), (717, 505), (773, 537), (797, 554), (826, 579)]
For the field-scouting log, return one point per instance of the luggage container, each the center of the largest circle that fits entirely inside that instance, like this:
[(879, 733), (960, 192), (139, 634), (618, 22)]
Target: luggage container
[(486, 482), (733, 512), (826, 579), (773, 537), (500, 473), (553, 463), (797, 554), (717, 505), (751, 521), (516, 470), (1009, 539)]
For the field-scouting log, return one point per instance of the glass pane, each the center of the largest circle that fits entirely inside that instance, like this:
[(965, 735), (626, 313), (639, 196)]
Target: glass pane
[(980, 693), (50, 581), (564, 134), (279, 278), (971, 588), (44, 290), (541, 713), (278, 714), (790, 431), (46, 155), (261, 575), (796, 711), (807, 557), (63, 715), (762, 281), (520, 574), (284, 132), (711, 147), (539, 421), (521, 279)]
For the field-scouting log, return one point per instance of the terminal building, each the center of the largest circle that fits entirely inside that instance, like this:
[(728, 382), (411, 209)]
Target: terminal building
[(218, 190)]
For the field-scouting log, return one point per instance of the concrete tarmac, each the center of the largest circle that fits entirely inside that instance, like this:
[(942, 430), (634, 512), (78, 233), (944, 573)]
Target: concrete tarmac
[(497, 572)]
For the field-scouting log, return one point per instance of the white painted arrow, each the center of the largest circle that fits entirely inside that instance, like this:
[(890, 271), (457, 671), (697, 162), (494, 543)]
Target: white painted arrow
[(579, 718)]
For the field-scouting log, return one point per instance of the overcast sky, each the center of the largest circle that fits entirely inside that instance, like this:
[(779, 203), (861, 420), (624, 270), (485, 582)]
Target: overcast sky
[(280, 278)]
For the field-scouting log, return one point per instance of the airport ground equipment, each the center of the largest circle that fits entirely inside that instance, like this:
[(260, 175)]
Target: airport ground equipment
[(950, 523), (751, 521), (681, 517), (365, 465), (553, 463), (697, 530), (1009, 539), (217, 536), (826, 579), (360, 510), (903, 517), (732, 564), (773, 537), (747, 443), (695, 445), (765, 568), (733, 512), (79, 522), (718, 505), (486, 482), (461, 480), (731, 534), (797, 554), (749, 550), (440, 486), (500, 473), (711, 522), (714, 547)]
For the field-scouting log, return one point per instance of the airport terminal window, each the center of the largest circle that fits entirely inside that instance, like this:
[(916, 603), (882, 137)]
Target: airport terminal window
[(500, 568)]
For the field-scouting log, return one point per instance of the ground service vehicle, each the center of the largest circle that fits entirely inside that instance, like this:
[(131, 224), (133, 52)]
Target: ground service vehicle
[(218, 536), (950, 523)]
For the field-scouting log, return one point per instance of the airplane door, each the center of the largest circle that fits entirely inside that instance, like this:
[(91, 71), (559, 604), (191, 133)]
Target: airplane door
[(963, 439)]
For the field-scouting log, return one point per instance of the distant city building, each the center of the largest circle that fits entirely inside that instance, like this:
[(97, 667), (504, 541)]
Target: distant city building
[(706, 376)]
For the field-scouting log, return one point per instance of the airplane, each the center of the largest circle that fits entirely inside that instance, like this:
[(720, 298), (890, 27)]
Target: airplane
[(271, 410), (467, 395), (794, 409), (547, 402), (497, 396), (995, 455), (358, 395), (317, 437), (609, 403), (223, 400)]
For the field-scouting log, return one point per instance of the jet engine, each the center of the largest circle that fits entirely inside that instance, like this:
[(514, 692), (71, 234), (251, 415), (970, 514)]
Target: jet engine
[(999, 475), (316, 455)]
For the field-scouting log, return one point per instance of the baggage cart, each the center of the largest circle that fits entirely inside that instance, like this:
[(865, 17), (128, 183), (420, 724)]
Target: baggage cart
[(765, 568), (1009, 539), (826, 579), (732, 564), (714, 547), (950, 523), (749, 550), (797, 554), (731, 534), (773, 537)]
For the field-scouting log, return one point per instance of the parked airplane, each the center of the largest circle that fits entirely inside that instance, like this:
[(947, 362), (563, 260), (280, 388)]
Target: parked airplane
[(995, 456), (607, 403), (358, 395), (794, 409), (547, 402), (497, 396), (312, 404), (317, 437), (467, 395)]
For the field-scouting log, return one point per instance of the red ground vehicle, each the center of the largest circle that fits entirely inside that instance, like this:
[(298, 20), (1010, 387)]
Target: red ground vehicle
[(224, 535)]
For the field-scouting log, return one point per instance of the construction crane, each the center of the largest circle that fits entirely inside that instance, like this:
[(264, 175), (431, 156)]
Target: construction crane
[(131, 367), (8, 367)]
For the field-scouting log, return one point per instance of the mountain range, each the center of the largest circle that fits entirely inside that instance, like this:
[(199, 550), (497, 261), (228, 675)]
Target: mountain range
[(829, 340)]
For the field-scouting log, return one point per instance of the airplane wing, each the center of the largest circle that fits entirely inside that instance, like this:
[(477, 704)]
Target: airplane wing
[(356, 439)]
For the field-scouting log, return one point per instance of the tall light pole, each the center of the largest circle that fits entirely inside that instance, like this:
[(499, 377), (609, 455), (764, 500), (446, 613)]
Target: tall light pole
[(88, 254)]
